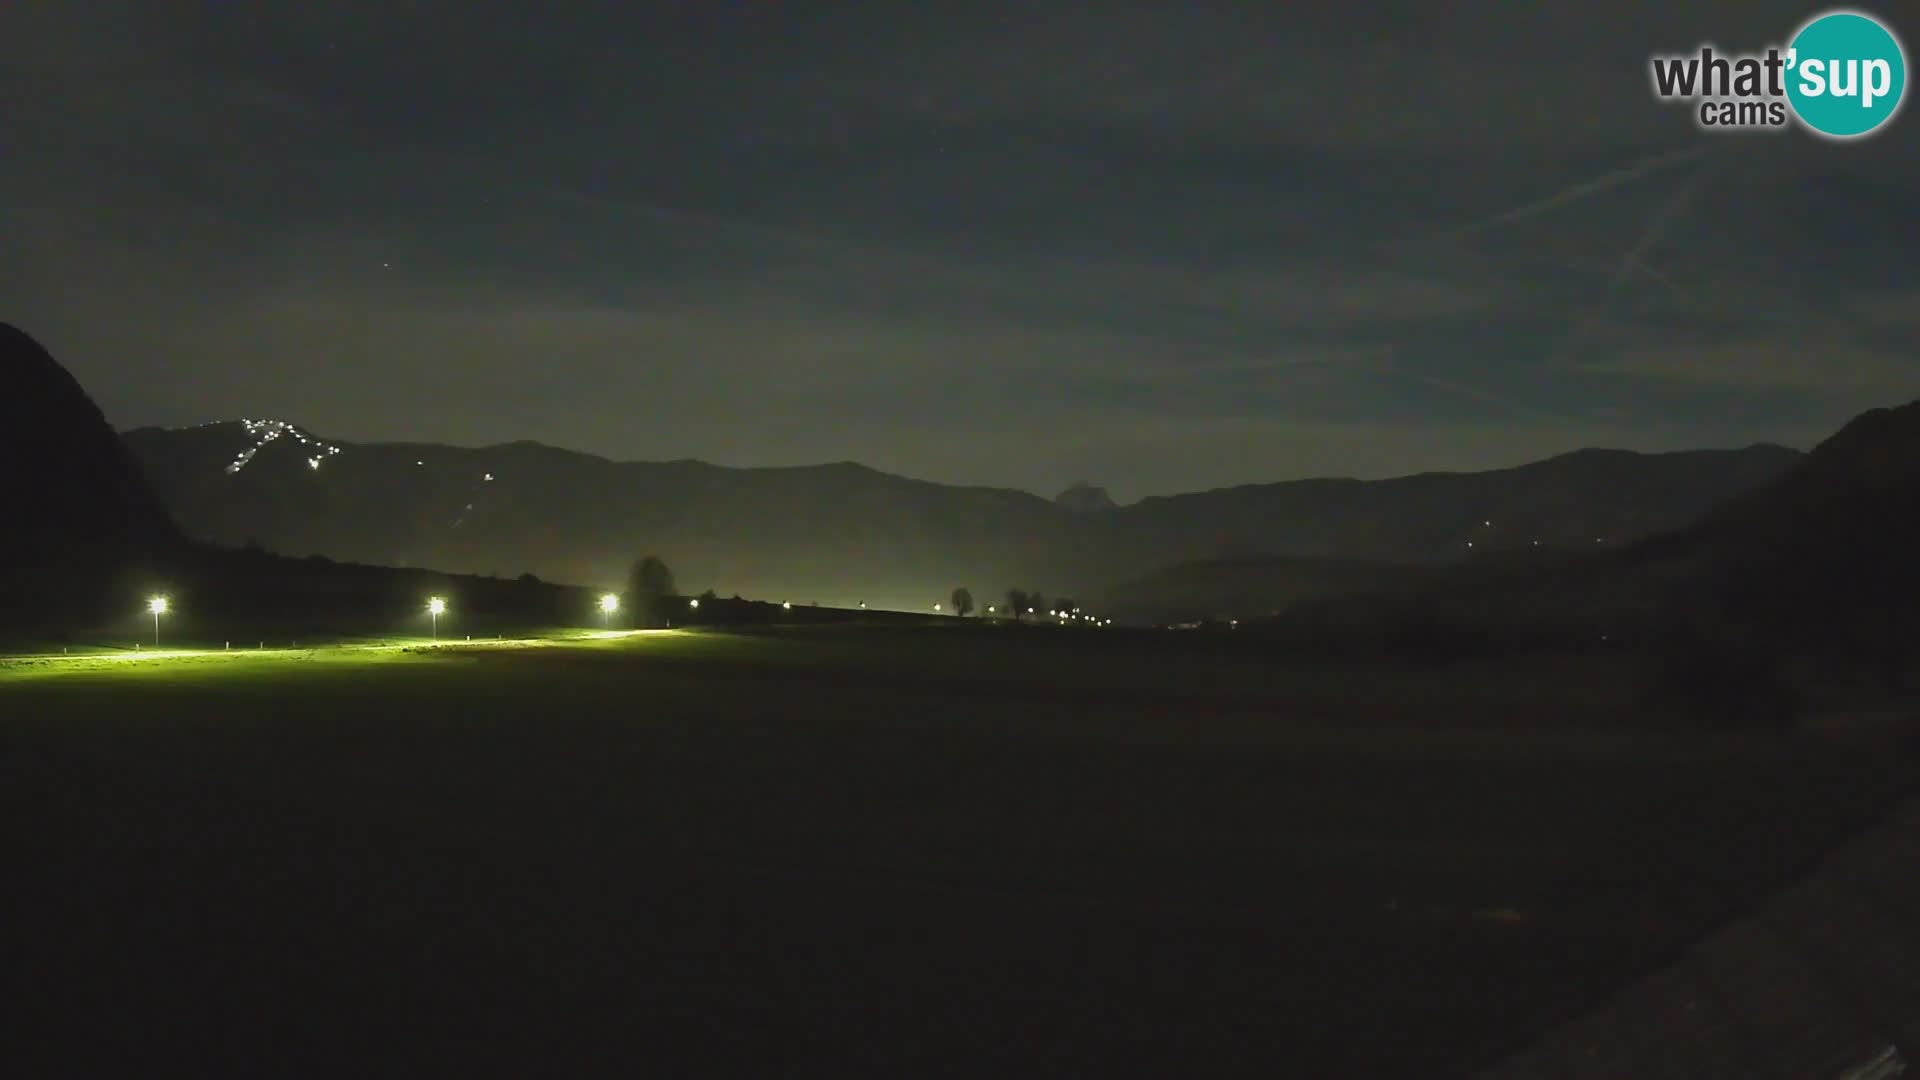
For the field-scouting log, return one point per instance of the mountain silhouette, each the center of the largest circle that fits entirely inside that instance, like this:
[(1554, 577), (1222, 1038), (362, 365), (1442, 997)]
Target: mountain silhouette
[(1085, 498), (73, 494), (1827, 557), (1811, 576), (843, 533)]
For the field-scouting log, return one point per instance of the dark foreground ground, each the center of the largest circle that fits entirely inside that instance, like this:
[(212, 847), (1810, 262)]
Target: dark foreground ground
[(900, 853)]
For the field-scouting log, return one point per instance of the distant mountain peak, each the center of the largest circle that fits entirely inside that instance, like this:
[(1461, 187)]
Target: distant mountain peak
[(1082, 497)]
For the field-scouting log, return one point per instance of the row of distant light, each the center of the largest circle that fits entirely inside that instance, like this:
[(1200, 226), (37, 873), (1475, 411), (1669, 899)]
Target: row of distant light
[(1536, 543), (610, 603), (1063, 616), (437, 605), (266, 431), (1069, 616)]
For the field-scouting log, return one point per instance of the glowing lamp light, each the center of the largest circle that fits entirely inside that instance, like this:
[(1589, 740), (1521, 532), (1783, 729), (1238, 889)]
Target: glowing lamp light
[(694, 603), (787, 606), (158, 606), (936, 607), (610, 603), (436, 607)]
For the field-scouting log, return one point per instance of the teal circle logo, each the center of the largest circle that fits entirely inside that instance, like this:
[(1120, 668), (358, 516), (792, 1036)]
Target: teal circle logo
[(1847, 74)]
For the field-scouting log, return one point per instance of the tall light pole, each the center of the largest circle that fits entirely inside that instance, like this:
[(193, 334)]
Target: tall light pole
[(608, 605), (157, 605), (436, 607)]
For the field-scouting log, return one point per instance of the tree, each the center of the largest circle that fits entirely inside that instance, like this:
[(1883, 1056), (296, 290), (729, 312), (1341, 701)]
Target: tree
[(1037, 602), (1018, 602), (649, 584), (963, 601)]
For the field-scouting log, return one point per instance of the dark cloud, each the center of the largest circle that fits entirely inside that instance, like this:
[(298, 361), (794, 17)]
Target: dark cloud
[(1164, 246)]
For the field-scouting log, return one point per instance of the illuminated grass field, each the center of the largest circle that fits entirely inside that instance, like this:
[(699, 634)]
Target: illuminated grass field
[(927, 850)]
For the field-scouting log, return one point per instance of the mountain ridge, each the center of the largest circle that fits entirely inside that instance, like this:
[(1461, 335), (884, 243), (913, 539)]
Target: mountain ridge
[(81, 484), (844, 532), (1580, 453)]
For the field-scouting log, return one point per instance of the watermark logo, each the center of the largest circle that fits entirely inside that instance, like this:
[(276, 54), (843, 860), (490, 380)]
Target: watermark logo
[(1842, 75)]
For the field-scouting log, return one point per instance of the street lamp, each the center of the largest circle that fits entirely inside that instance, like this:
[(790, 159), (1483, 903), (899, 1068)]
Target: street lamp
[(436, 607), (694, 604), (158, 606), (608, 605)]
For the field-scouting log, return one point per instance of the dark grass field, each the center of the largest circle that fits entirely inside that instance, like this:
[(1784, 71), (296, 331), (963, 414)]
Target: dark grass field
[(904, 852)]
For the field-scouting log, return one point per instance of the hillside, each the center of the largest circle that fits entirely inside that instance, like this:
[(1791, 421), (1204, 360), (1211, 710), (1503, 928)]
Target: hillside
[(843, 533), (86, 542), (1568, 501), (71, 490), (78, 511), (836, 533), (1815, 569), (1824, 559)]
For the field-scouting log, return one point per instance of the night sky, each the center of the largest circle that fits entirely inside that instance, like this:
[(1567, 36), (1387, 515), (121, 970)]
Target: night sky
[(1159, 248)]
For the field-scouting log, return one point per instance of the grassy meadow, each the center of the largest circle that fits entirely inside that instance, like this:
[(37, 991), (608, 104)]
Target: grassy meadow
[(904, 851)]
